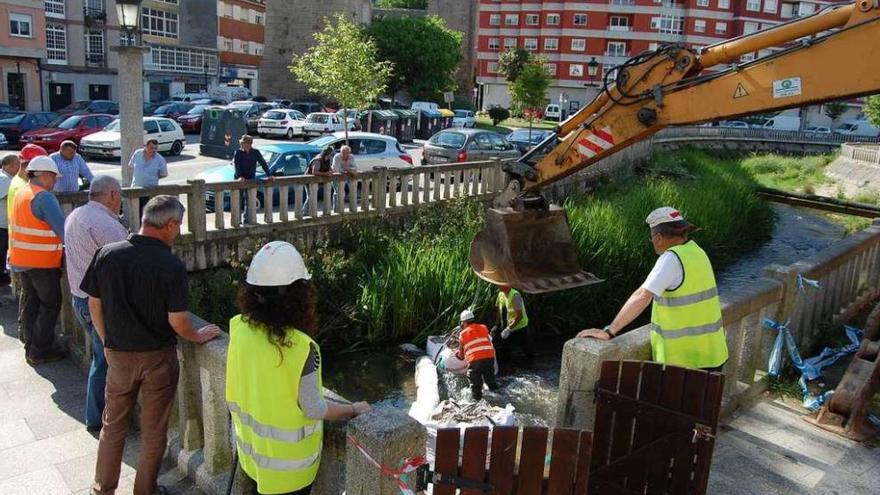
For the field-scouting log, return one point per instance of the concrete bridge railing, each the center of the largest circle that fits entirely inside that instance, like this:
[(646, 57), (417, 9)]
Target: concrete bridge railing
[(705, 133), (849, 274), (861, 152)]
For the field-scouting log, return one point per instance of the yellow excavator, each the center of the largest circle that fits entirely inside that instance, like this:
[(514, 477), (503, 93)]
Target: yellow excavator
[(830, 55)]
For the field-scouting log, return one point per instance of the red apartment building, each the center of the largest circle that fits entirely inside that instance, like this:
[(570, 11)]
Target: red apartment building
[(240, 39), (570, 35)]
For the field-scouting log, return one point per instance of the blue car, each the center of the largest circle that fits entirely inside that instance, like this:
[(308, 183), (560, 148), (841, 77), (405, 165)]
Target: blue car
[(284, 159)]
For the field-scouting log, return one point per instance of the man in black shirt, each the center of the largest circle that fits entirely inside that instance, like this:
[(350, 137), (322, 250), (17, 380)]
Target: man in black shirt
[(138, 298), (245, 161)]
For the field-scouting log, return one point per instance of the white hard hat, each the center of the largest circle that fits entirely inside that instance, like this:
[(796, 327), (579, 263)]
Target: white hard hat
[(277, 264), (466, 315), (665, 214), (43, 164)]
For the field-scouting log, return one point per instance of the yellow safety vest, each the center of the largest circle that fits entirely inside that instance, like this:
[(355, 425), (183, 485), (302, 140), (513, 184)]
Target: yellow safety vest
[(686, 327), (505, 302), (279, 447)]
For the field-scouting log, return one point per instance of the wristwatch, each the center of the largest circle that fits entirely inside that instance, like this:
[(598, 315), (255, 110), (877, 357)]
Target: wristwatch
[(607, 331)]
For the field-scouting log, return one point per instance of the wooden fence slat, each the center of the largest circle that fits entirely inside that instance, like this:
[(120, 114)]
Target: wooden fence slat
[(711, 406), (503, 459), (582, 475), (563, 461), (693, 396), (446, 458), (473, 461), (670, 397), (623, 421), (649, 391), (604, 415), (530, 478)]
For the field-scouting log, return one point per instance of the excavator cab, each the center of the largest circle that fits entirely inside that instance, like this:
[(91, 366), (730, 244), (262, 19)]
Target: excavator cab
[(529, 249)]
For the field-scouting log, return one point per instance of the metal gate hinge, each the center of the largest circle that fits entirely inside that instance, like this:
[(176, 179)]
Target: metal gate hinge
[(702, 432)]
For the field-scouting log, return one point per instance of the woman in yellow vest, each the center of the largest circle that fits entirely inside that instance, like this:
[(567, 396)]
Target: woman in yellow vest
[(686, 327), (273, 375)]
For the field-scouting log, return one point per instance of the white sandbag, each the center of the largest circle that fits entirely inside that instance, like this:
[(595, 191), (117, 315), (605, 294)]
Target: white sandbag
[(440, 354), (427, 390)]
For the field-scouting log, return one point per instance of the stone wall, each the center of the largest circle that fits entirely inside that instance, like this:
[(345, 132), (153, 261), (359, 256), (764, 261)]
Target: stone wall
[(462, 15)]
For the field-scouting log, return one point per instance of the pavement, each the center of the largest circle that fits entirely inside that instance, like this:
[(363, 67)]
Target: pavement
[(44, 446)]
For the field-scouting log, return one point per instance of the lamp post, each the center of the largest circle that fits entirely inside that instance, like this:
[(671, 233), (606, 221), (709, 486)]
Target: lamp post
[(592, 69), (131, 85)]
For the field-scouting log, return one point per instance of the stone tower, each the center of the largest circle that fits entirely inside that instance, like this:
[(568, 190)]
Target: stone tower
[(289, 28)]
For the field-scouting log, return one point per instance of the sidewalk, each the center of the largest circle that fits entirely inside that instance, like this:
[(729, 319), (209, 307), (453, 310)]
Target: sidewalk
[(44, 446)]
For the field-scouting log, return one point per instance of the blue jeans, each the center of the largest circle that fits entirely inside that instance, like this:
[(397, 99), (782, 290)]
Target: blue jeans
[(98, 369)]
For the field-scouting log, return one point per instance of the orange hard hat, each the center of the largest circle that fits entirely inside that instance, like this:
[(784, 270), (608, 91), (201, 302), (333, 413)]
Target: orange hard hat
[(31, 151)]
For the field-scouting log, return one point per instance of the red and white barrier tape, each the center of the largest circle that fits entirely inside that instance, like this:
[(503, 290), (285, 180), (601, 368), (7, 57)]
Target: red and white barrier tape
[(408, 465)]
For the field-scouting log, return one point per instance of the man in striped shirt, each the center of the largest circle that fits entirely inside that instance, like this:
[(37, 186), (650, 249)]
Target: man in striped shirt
[(476, 348)]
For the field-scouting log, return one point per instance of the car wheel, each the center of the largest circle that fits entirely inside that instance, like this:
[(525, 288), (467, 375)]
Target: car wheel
[(290, 133), (177, 148)]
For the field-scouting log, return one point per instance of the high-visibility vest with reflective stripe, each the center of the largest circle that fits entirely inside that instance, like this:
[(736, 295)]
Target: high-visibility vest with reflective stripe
[(32, 242), (505, 302), (475, 343), (686, 327), (279, 447)]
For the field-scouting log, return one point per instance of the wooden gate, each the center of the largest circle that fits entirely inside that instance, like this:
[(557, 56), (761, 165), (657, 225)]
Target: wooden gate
[(489, 466), (654, 429)]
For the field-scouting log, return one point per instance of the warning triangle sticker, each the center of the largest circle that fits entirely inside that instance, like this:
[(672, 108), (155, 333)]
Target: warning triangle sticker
[(740, 91)]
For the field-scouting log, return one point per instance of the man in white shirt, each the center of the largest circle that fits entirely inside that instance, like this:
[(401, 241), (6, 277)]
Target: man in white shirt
[(686, 326)]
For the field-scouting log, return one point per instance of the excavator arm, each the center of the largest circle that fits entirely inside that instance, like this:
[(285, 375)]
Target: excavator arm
[(830, 55)]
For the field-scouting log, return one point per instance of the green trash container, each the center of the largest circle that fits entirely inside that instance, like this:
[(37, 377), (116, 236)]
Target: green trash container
[(430, 123), (380, 121), (407, 122), (221, 130)]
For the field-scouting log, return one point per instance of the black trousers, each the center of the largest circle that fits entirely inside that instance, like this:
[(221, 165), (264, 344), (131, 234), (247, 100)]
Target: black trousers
[(253, 487), (479, 372), (41, 298), (521, 339), (4, 247)]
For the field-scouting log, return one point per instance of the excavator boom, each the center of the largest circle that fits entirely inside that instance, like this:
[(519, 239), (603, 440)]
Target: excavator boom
[(830, 55)]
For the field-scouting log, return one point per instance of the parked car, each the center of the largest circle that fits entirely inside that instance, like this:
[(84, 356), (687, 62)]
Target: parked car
[(424, 105), (353, 118), (281, 122), (5, 107), (855, 128), (819, 129), (307, 107), (283, 159), (191, 121), (371, 150), (210, 101), (252, 111), (3, 142), (105, 144), (149, 108), (520, 138), (189, 97), (14, 124), (230, 93), (463, 145), (783, 123), (324, 123), (283, 103), (464, 118), (173, 110), (553, 112), (735, 124), (70, 127), (90, 106)]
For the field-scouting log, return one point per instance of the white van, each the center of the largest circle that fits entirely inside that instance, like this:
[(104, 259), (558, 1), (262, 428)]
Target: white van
[(552, 112), (188, 97), (858, 128), (783, 123), (231, 93), (424, 105)]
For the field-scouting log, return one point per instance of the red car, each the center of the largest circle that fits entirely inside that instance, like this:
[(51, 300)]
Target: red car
[(191, 121), (73, 127)]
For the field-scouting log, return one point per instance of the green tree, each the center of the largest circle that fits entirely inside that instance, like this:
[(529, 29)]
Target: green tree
[(872, 110), (528, 91), (402, 4), (834, 109), (512, 62), (424, 50), (343, 66)]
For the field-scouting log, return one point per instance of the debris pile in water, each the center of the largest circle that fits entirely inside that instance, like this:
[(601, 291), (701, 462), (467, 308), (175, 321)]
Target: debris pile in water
[(450, 411)]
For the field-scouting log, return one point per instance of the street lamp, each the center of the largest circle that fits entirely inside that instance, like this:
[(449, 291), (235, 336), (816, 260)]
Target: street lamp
[(131, 85), (592, 69)]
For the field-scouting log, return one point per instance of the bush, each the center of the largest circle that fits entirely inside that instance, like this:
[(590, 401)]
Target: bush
[(498, 114)]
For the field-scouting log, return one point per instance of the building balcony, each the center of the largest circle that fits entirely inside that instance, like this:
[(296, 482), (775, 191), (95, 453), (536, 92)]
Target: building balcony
[(94, 17), (617, 54), (96, 60), (619, 28)]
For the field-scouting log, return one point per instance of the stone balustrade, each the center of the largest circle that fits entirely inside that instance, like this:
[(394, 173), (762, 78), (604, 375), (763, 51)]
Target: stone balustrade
[(861, 152)]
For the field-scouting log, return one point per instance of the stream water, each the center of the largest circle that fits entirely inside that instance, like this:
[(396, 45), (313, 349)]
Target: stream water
[(386, 379)]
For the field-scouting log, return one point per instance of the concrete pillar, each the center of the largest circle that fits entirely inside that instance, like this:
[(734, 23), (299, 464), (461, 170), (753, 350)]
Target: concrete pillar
[(131, 105), (581, 362), (389, 436)]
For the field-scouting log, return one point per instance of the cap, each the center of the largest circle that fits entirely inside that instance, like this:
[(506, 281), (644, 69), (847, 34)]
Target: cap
[(43, 164), (31, 151), (665, 214)]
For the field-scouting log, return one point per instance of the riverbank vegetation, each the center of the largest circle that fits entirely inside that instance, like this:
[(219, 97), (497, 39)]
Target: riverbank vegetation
[(380, 283)]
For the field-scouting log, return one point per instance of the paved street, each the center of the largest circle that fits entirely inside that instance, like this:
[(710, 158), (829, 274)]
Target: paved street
[(190, 163)]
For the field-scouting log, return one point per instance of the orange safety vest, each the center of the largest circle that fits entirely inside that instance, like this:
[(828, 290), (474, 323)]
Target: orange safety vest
[(33, 243), (475, 343)]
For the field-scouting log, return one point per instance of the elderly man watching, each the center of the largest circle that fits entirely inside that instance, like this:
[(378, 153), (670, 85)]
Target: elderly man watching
[(86, 230), (71, 166), (148, 167)]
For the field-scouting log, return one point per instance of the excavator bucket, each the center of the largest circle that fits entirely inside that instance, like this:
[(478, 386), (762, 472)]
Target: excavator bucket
[(529, 250)]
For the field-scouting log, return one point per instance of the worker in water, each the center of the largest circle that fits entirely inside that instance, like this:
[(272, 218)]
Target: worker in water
[(476, 348), (686, 325), (273, 375), (515, 330)]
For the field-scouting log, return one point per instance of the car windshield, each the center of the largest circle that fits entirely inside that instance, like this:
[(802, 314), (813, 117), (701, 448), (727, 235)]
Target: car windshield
[(275, 115), (461, 114), (448, 140), (66, 123), (523, 135), (11, 118), (77, 105), (164, 109), (113, 126), (197, 110), (322, 141), (269, 156)]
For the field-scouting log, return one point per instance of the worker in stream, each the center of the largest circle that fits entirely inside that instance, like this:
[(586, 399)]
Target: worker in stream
[(686, 327), (477, 349), (514, 324)]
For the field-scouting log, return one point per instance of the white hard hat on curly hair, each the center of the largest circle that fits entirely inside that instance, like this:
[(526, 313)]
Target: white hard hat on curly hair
[(277, 264), (466, 315)]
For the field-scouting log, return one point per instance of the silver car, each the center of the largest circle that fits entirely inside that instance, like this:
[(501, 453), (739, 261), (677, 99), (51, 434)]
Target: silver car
[(466, 145), (370, 150)]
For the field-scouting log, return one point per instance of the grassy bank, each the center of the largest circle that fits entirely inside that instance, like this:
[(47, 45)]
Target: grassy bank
[(380, 283), (508, 125)]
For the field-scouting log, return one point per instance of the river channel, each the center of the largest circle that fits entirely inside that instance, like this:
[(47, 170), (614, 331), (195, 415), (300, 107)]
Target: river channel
[(386, 379)]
